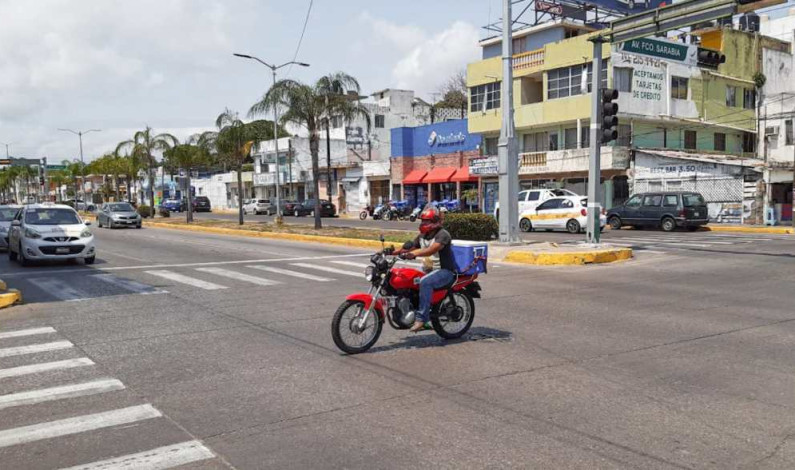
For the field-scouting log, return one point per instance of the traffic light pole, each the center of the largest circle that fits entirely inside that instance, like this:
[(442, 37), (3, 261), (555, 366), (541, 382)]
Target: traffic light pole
[(594, 169), (507, 155)]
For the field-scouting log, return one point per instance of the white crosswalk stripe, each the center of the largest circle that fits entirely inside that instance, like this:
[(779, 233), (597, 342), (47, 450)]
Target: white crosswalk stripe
[(155, 459), (287, 272), (59, 393), (35, 348), (352, 263), (127, 284), (329, 269), (181, 278), (78, 424), (239, 276), (27, 332), (45, 367)]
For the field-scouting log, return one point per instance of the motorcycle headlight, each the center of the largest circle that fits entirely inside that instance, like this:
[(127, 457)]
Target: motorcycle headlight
[(85, 233), (369, 273), (30, 233)]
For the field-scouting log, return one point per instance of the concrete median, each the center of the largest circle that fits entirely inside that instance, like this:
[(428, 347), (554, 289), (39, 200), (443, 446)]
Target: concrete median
[(9, 297), (550, 254)]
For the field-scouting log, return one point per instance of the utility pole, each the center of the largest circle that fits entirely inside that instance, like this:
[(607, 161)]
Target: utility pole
[(80, 135), (593, 229), (328, 159), (7, 144), (290, 166), (508, 156)]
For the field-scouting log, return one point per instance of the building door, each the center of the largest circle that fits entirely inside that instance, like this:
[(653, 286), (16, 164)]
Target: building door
[(490, 196)]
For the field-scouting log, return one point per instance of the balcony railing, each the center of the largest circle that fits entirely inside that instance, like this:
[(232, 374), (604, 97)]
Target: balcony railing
[(531, 160), (528, 60)]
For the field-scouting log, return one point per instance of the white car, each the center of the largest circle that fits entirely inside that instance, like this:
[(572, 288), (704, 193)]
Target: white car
[(7, 214), (568, 213), (50, 232), (529, 199), (259, 206)]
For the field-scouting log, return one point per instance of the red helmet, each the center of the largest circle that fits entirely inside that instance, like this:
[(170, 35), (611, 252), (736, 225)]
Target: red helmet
[(430, 221)]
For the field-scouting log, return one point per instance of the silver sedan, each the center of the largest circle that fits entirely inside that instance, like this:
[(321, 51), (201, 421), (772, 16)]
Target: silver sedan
[(118, 214)]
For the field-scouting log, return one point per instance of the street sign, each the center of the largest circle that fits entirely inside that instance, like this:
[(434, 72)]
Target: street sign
[(56, 167), (660, 49)]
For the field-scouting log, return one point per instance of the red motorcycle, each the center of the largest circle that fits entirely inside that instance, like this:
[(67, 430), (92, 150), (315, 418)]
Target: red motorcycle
[(393, 297)]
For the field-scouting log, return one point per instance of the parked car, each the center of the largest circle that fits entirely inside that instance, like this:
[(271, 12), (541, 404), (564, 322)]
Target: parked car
[(530, 198), (7, 214), (173, 205), (289, 207), (201, 204), (568, 213), (80, 205), (259, 206), (668, 210), (118, 214), (50, 232), (307, 207)]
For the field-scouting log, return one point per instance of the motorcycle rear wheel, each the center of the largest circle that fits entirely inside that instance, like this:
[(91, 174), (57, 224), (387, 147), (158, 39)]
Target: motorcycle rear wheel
[(343, 328), (451, 324)]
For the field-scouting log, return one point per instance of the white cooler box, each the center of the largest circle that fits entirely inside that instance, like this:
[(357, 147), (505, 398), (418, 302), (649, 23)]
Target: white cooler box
[(466, 253)]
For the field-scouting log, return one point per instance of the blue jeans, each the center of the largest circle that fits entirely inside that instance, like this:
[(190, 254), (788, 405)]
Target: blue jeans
[(429, 283)]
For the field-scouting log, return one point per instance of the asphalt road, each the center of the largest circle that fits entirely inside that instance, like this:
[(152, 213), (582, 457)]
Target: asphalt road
[(182, 347)]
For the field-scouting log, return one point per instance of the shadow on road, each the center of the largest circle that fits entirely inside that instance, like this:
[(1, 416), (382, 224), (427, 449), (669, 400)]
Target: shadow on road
[(430, 340)]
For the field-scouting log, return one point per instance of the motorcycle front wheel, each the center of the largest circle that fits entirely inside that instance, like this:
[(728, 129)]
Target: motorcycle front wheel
[(454, 318), (345, 328), (362, 215)]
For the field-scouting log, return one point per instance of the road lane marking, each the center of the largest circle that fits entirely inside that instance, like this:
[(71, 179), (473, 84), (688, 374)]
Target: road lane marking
[(239, 276), (45, 367), (154, 459), (329, 269), (140, 260), (76, 425), (352, 263), (29, 332), (287, 272), (35, 348), (191, 281), (28, 272), (59, 393), (127, 284), (58, 288)]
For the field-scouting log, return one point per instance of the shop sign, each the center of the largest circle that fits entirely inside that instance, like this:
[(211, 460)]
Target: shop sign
[(263, 179), (354, 136), (483, 166), (453, 138)]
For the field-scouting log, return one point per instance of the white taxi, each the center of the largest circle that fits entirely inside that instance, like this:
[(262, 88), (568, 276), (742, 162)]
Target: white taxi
[(568, 213), (50, 232)]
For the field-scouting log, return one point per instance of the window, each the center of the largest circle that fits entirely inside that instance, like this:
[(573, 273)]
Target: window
[(624, 135), (693, 200), (720, 141), (788, 137), (585, 135), (652, 200), (520, 45), (635, 201), (490, 146), (570, 138), (731, 96), (522, 196), (749, 142), (671, 200), (749, 98), (534, 195), (603, 81), (690, 140), (679, 88), (52, 216), (485, 97), (622, 79), (536, 142), (566, 204), (771, 136), (550, 204), (567, 81), (379, 121), (553, 141)]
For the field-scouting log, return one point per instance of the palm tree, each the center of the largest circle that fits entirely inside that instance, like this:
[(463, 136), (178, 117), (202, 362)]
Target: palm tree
[(313, 106), (58, 178), (73, 170), (193, 154), (143, 145)]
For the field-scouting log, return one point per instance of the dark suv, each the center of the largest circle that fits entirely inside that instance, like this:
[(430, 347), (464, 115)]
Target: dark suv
[(201, 204), (668, 210), (307, 207)]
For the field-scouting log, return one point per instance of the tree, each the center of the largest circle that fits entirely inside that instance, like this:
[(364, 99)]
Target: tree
[(143, 146), (58, 178), (312, 106), (454, 92), (73, 170), (194, 154)]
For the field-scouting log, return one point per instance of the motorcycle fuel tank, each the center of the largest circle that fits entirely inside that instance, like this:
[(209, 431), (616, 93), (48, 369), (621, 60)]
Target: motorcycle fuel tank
[(405, 278)]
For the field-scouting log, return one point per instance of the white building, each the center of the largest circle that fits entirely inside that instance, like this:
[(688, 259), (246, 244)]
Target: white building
[(777, 116)]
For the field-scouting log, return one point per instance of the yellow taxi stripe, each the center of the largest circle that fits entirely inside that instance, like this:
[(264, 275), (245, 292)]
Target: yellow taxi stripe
[(568, 215)]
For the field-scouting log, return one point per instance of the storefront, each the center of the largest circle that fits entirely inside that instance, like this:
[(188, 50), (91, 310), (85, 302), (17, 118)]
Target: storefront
[(431, 163)]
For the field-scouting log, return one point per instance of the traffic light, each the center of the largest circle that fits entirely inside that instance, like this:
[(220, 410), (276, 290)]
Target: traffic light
[(710, 58), (41, 181), (609, 118)]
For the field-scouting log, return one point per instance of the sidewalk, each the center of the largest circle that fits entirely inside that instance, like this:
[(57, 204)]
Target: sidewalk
[(749, 228)]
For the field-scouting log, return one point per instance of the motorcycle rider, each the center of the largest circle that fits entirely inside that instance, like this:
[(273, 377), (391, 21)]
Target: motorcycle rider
[(434, 242)]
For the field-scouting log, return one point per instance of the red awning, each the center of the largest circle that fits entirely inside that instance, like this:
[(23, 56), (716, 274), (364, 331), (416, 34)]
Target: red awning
[(462, 175), (440, 175), (414, 177)]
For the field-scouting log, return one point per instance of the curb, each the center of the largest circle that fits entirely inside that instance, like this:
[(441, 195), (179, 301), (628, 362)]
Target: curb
[(569, 258), (354, 242), (717, 228), (9, 297)]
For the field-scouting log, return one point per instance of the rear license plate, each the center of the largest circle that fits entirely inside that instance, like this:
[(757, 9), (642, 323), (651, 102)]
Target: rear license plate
[(62, 250), (697, 214)]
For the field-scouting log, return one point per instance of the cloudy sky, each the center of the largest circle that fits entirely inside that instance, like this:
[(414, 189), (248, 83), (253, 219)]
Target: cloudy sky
[(121, 65)]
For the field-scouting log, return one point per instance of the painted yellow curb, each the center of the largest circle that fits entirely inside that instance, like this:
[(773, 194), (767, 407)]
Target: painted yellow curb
[(296, 237), (3, 285), (9, 298), (718, 228), (569, 258)]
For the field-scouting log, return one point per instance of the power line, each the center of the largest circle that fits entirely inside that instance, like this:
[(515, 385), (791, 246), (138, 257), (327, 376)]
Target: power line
[(301, 39)]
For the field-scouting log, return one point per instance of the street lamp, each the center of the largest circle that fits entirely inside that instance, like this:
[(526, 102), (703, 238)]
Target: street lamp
[(80, 135), (7, 144), (274, 68)]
